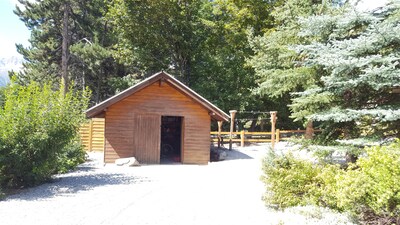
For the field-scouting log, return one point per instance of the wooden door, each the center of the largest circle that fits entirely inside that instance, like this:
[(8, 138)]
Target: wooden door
[(147, 138)]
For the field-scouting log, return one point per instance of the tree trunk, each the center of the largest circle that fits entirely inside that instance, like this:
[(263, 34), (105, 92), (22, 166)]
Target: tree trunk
[(309, 130), (65, 48), (253, 123), (187, 71)]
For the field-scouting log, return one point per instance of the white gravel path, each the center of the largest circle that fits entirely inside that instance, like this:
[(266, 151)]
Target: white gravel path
[(226, 192)]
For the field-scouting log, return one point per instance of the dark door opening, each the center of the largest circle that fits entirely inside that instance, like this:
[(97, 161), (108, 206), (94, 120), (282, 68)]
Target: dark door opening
[(171, 133)]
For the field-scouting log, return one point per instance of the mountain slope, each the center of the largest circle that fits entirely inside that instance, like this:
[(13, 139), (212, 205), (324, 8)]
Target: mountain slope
[(8, 64)]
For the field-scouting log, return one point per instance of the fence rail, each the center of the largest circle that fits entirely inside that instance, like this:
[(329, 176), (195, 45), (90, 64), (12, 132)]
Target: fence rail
[(259, 137)]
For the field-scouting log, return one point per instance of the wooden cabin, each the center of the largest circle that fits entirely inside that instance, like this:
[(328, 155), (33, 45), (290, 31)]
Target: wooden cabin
[(157, 120)]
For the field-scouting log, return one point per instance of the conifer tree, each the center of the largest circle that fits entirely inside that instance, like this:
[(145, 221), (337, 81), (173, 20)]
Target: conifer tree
[(359, 54), (64, 37), (276, 64)]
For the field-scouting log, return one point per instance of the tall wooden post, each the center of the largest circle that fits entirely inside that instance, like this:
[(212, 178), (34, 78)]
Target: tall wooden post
[(232, 112), (273, 122), (219, 133), (278, 135)]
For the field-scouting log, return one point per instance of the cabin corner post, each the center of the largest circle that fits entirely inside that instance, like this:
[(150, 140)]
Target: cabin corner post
[(219, 133), (232, 112), (273, 123)]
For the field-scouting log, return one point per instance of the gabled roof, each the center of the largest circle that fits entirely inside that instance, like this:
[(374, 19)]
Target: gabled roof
[(213, 110)]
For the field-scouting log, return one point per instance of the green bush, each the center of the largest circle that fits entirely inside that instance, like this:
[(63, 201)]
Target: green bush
[(36, 125), (1, 96), (371, 184), (289, 181), (368, 188), (72, 155)]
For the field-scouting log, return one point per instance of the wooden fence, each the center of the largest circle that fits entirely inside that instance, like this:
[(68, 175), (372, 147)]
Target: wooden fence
[(243, 137), (92, 135)]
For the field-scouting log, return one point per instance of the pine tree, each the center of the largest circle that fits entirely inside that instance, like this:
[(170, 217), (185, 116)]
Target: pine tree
[(276, 64), (359, 54), (64, 38)]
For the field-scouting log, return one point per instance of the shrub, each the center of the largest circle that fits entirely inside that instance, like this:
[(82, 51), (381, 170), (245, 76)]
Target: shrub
[(368, 188), (36, 125), (288, 180), (1, 97), (71, 156), (373, 183)]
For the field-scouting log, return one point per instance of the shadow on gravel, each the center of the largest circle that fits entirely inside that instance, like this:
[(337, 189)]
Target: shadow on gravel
[(75, 182), (234, 154), (230, 154)]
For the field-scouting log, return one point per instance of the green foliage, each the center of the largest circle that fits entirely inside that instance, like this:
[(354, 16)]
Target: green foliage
[(275, 63), (121, 83), (172, 42), (90, 45), (203, 43), (366, 187), (1, 96), (37, 129), (358, 52), (289, 181), (339, 66), (71, 156), (371, 183)]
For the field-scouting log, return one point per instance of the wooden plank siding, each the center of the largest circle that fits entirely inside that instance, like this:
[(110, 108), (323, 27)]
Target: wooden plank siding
[(92, 135), (126, 136), (146, 129)]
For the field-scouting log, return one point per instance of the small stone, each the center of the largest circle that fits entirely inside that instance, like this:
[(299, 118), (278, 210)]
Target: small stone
[(223, 155), (122, 161), (133, 162)]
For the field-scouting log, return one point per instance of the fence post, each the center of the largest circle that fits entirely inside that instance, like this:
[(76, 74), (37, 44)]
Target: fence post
[(232, 112), (90, 135), (273, 121), (219, 133), (278, 134), (242, 138)]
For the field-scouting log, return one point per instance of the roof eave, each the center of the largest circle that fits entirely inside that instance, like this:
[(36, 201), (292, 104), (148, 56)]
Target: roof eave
[(214, 111)]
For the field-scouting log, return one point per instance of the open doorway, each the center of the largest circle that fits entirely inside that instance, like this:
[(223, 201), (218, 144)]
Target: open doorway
[(171, 135)]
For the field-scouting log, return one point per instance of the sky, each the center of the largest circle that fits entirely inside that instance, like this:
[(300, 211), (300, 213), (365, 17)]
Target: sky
[(12, 30)]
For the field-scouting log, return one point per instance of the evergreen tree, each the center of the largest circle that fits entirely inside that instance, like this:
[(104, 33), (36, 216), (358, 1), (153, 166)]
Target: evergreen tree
[(359, 54), (276, 64), (71, 40)]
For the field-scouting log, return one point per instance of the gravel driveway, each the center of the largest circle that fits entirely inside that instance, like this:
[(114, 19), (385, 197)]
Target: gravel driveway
[(226, 192)]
